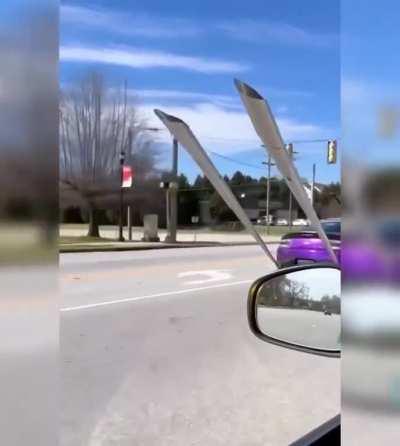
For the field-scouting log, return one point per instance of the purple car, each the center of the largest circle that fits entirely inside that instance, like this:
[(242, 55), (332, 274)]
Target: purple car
[(363, 259), (305, 246), (373, 258)]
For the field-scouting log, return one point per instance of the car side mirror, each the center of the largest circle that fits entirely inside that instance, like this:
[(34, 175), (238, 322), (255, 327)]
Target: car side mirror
[(298, 308)]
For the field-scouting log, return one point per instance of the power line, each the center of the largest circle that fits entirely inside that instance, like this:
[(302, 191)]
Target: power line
[(310, 141), (236, 161), (257, 142), (238, 140)]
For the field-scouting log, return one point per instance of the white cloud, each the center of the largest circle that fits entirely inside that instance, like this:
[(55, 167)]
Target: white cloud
[(168, 96), (227, 131), (127, 24), (140, 58), (150, 26), (262, 32)]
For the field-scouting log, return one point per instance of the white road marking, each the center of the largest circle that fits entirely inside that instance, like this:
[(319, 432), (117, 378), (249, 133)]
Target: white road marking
[(151, 296), (214, 275)]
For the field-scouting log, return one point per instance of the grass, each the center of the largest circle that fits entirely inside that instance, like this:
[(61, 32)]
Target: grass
[(85, 243), (69, 240), (72, 243), (274, 231)]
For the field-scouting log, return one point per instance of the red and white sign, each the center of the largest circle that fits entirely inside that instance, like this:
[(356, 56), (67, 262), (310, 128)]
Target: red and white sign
[(127, 175)]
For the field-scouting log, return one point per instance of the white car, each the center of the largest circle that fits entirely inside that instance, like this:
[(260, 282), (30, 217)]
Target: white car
[(282, 222), (300, 222), (263, 220)]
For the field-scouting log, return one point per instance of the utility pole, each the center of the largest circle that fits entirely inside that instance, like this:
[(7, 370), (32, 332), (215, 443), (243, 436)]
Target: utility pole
[(172, 196), (289, 148), (129, 216), (129, 208), (121, 196), (314, 167), (268, 163)]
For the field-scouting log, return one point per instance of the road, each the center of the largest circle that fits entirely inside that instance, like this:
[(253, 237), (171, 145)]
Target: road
[(312, 328), (156, 351)]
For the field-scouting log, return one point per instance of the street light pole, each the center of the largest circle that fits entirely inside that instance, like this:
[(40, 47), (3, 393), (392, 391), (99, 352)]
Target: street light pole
[(121, 197), (172, 192), (267, 205), (313, 183), (291, 152), (129, 207), (268, 194)]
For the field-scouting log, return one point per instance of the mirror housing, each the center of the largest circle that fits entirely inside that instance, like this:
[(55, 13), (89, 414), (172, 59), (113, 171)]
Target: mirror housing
[(286, 308)]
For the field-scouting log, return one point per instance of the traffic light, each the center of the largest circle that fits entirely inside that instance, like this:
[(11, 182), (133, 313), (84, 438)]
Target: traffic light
[(332, 151)]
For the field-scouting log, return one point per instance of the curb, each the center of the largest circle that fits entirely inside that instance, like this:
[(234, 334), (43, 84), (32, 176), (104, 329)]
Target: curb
[(166, 246)]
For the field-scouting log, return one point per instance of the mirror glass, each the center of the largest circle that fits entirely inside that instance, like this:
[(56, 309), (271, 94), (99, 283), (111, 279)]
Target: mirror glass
[(302, 307)]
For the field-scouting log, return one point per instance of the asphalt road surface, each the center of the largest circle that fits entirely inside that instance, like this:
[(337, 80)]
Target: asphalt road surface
[(311, 328), (156, 351)]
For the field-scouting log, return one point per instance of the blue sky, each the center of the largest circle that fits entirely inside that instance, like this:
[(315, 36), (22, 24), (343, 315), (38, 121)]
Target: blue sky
[(182, 57)]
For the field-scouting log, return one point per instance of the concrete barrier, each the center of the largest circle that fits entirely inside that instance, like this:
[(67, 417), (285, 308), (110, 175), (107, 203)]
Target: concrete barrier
[(150, 228)]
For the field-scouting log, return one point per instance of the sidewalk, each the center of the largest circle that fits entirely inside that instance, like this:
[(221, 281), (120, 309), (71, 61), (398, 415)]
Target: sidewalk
[(185, 239)]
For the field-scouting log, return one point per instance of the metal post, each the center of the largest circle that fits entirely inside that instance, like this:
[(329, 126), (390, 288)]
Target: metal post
[(173, 196), (168, 213), (121, 197), (269, 163), (313, 183), (129, 223), (129, 210), (289, 148), (268, 193)]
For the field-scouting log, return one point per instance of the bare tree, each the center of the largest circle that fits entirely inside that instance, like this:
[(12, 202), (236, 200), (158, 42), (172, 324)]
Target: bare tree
[(96, 124)]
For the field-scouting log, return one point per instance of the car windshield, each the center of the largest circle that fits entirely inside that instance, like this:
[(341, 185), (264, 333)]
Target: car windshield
[(158, 233)]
